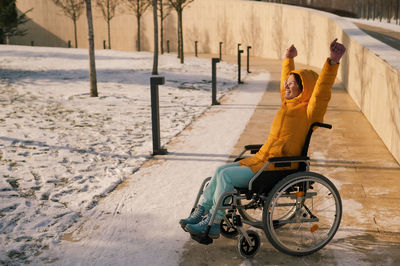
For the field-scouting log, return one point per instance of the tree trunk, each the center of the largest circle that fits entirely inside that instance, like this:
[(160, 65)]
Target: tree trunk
[(92, 64), (75, 34), (161, 27), (179, 39), (162, 37), (138, 33), (109, 34), (108, 24), (2, 37), (374, 11), (181, 36), (155, 56)]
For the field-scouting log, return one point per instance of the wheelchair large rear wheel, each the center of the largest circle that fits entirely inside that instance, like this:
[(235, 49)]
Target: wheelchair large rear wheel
[(251, 211), (302, 213)]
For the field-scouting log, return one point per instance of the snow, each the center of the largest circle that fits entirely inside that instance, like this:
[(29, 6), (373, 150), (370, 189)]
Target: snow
[(61, 151), (382, 50), (377, 23)]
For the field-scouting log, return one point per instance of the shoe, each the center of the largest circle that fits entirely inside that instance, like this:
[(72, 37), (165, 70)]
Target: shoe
[(201, 228), (194, 218)]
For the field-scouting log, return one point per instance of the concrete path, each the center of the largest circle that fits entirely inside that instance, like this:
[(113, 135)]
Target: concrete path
[(353, 156)]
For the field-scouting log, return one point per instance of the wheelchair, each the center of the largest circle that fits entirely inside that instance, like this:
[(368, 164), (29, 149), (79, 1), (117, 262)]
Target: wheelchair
[(298, 210)]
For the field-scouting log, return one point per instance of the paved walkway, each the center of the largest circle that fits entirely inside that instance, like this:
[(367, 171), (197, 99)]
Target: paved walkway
[(353, 156)]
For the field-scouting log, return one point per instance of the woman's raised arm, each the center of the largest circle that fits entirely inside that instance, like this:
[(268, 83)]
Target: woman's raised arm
[(287, 67)]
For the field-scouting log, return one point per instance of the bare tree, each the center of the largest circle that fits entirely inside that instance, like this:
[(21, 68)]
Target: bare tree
[(138, 7), (92, 64), (179, 5), (73, 9), (155, 56), (164, 10), (107, 8)]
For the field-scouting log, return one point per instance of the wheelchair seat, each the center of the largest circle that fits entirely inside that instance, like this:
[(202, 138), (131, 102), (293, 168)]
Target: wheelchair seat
[(265, 182)]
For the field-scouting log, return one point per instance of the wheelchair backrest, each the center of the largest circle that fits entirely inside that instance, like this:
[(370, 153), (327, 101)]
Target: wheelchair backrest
[(304, 152)]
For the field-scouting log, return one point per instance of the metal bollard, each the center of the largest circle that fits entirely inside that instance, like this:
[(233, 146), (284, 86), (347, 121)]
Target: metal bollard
[(69, 44), (104, 44), (195, 48), (214, 62), (220, 50), (167, 46), (248, 59), (155, 114), (32, 43), (239, 63)]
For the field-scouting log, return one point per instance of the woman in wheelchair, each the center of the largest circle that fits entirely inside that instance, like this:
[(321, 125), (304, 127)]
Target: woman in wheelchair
[(305, 97)]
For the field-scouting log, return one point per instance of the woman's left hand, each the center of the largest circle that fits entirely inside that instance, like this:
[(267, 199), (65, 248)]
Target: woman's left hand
[(336, 51)]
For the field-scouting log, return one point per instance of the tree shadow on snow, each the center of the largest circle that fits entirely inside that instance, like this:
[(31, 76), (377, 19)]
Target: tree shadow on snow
[(120, 76)]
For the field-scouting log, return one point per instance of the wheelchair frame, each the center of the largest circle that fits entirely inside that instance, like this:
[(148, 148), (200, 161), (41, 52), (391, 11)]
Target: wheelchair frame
[(285, 190)]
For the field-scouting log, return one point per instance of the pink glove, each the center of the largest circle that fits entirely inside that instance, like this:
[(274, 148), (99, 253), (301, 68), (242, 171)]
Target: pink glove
[(336, 51), (291, 52)]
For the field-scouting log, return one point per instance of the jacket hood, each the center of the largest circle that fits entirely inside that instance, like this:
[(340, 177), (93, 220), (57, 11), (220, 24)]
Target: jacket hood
[(308, 78)]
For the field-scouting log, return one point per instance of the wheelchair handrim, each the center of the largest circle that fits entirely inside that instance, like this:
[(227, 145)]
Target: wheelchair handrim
[(280, 189)]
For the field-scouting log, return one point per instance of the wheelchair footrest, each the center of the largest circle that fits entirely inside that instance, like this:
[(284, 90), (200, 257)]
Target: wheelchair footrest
[(205, 240)]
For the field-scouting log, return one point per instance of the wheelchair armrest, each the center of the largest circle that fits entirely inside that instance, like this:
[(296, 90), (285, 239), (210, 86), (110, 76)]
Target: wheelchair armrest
[(287, 161), (254, 148)]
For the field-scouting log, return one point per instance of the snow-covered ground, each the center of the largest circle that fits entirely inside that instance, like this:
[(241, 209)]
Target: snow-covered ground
[(61, 150)]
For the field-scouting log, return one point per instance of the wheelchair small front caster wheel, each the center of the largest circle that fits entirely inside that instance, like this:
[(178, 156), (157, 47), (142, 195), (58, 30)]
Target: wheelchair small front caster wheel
[(228, 230), (246, 249)]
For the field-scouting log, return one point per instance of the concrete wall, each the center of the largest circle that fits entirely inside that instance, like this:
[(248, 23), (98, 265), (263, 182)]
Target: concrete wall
[(373, 81)]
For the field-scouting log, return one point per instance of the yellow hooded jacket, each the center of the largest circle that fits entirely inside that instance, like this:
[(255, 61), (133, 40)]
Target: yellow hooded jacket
[(291, 123)]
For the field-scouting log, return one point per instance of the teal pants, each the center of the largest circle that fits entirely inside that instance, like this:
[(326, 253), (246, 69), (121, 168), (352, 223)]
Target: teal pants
[(225, 179)]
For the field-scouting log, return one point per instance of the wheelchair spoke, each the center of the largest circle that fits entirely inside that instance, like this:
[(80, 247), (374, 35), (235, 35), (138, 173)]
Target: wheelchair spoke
[(314, 220), (326, 208), (309, 212)]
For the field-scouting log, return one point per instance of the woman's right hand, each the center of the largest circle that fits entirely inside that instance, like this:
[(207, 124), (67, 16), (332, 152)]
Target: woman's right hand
[(291, 52)]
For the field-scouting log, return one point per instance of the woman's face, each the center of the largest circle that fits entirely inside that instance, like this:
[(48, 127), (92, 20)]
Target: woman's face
[(292, 89)]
